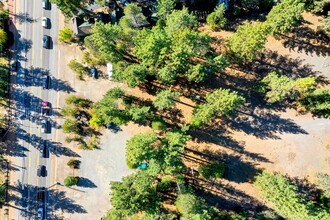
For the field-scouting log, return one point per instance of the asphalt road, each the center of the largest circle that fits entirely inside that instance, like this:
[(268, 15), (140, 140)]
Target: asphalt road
[(35, 61)]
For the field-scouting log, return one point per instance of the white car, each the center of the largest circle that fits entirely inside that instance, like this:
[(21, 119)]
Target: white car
[(45, 22), (40, 213)]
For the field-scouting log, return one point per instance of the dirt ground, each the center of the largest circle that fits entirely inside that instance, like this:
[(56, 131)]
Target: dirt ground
[(259, 137)]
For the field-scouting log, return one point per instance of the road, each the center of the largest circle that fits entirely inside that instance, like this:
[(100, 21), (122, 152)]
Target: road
[(28, 93)]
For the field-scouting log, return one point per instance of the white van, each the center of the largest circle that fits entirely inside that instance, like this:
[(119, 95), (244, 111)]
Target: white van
[(45, 22)]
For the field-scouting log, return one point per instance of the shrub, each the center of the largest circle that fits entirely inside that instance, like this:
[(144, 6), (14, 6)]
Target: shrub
[(217, 18), (2, 193), (158, 124), (165, 183), (65, 34), (212, 170), (71, 181), (74, 163), (78, 68)]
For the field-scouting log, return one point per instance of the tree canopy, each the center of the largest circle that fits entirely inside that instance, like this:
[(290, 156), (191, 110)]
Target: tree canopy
[(165, 99)]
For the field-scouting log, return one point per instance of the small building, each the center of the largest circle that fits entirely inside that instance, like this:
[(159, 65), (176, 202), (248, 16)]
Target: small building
[(80, 27)]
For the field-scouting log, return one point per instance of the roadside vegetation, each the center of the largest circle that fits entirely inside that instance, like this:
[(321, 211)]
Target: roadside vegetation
[(173, 60)]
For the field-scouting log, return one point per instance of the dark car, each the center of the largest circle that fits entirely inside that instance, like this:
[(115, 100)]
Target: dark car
[(41, 171), (45, 4), (41, 194), (45, 82), (43, 150), (44, 126), (45, 108), (93, 72), (46, 41)]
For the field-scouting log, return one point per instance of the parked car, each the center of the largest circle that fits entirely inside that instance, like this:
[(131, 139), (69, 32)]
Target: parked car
[(93, 72), (46, 41), (44, 126), (45, 22), (45, 108), (43, 150), (40, 213), (45, 81), (45, 4), (41, 170), (14, 65), (41, 194)]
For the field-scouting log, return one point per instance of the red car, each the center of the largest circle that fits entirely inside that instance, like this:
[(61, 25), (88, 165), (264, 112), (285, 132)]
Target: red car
[(45, 107)]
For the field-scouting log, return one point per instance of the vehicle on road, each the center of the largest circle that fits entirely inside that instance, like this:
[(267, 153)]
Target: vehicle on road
[(45, 108), (46, 41), (45, 22), (44, 126), (45, 82), (41, 194), (14, 65), (43, 150), (40, 213), (41, 171), (45, 4)]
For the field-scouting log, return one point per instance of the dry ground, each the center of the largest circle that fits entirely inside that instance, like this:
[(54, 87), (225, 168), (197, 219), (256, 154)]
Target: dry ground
[(258, 137)]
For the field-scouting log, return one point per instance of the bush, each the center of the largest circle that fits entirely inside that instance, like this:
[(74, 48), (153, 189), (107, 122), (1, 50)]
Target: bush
[(2, 193), (78, 68), (65, 35), (165, 183), (211, 170), (158, 124), (71, 181), (74, 163)]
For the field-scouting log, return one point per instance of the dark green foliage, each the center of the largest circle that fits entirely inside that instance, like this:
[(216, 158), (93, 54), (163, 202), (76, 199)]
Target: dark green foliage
[(3, 81), (133, 17), (217, 18), (278, 88), (78, 102), (165, 183), (248, 40), (136, 193), (71, 126), (138, 113), (134, 74), (107, 42), (74, 163), (71, 181), (179, 20), (166, 99), (68, 8), (319, 6), (2, 193), (212, 170), (250, 4), (285, 198), (78, 68), (284, 16), (140, 147), (219, 102), (158, 124), (164, 8)]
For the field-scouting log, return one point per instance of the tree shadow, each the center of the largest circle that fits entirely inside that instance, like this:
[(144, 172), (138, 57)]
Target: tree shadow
[(263, 124), (84, 182), (305, 39), (23, 17), (58, 149)]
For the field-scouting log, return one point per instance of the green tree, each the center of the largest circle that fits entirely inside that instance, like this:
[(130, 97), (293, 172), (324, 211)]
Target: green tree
[(3, 37), (78, 68), (248, 40), (324, 183), (2, 193), (285, 198), (71, 126), (136, 193), (318, 102), (140, 147), (139, 113), (219, 102), (78, 102), (166, 99), (71, 181), (133, 17), (134, 74), (74, 163), (211, 170), (325, 27), (180, 19), (68, 7), (107, 41), (100, 2), (278, 88), (65, 35), (284, 16), (217, 18), (164, 8)]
